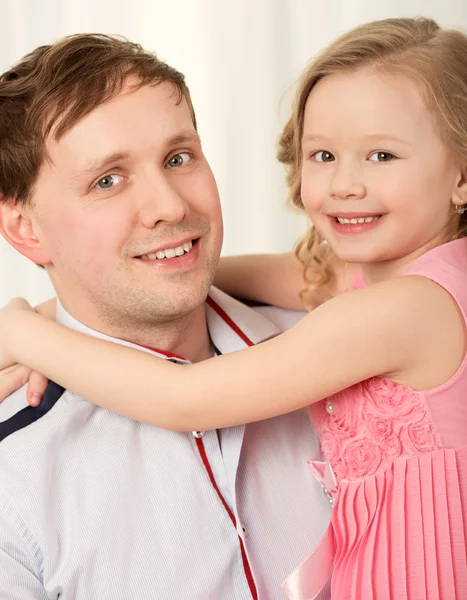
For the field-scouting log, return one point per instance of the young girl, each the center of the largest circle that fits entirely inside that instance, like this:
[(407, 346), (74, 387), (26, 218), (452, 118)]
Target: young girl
[(376, 152)]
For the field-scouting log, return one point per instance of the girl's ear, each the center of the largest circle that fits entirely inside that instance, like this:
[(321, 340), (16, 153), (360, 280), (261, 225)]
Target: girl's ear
[(17, 228), (459, 197)]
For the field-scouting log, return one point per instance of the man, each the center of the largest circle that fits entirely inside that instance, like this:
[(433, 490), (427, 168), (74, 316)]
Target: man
[(104, 183)]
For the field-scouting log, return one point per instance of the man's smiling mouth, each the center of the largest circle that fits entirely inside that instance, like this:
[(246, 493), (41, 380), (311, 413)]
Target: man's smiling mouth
[(169, 252)]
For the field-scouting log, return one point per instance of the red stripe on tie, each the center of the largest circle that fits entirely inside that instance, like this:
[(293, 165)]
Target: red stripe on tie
[(246, 565)]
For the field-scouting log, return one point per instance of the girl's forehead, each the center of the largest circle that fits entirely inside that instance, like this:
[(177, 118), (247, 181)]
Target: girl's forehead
[(368, 102), (366, 87)]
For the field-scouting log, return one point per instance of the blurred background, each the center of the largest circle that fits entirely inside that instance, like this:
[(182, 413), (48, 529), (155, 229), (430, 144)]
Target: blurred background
[(241, 59)]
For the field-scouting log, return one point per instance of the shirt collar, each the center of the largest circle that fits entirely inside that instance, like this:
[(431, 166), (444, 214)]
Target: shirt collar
[(232, 326)]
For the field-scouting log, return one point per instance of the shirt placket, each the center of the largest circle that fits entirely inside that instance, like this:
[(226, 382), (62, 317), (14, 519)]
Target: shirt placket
[(199, 437)]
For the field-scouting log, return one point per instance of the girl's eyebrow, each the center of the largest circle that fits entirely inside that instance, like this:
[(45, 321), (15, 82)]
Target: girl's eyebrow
[(375, 137), (385, 137), (313, 137)]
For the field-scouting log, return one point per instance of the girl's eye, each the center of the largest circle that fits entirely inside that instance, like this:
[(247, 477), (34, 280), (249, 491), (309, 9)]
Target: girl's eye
[(381, 157), (323, 156), (108, 181), (178, 160)]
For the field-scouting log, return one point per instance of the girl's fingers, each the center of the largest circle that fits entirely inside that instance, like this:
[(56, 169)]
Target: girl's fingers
[(36, 388)]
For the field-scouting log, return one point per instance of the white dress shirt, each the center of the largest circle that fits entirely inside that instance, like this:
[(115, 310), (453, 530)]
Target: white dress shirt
[(95, 506)]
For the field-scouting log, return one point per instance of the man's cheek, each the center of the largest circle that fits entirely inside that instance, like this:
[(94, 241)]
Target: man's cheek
[(75, 246), (93, 239), (87, 235)]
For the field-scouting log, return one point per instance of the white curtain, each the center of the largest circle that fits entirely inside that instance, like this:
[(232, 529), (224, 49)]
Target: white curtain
[(241, 59)]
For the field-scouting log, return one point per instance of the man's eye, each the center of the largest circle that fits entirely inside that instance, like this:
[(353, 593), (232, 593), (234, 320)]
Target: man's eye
[(178, 160), (381, 157), (108, 181), (323, 156)]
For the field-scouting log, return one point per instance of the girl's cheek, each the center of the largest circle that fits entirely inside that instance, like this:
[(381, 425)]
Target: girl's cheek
[(311, 201)]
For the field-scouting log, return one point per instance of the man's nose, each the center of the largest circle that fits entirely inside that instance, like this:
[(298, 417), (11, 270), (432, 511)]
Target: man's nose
[(161, 201), (347, 182)]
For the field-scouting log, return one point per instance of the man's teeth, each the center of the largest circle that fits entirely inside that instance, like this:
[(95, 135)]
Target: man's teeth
[(355, 221), (169, 252)]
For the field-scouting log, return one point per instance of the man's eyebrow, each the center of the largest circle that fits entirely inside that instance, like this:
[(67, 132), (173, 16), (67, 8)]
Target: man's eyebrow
[(184, 137), (98, 165)]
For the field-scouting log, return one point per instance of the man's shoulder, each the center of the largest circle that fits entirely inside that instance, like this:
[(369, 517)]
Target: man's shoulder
[(16, 414), (283, 318), (13, 404)]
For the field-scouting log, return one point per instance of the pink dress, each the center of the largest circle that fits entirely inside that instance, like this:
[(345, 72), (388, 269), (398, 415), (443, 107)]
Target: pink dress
[(397, 474)]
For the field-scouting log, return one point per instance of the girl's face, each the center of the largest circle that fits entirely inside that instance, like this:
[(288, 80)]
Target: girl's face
[(377, 180)]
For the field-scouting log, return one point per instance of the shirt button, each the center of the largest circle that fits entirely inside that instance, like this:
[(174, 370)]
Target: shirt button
[(198, 434), (329, 407), (241, 530)]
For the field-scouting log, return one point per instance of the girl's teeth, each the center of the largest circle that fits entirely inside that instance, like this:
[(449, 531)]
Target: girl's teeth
[(356, 221)]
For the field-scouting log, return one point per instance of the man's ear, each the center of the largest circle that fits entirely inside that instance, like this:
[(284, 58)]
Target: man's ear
[(16, 226), (459, 197)]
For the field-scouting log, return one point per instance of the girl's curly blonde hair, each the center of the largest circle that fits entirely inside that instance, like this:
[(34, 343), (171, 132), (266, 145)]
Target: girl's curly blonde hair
[(435, 58)]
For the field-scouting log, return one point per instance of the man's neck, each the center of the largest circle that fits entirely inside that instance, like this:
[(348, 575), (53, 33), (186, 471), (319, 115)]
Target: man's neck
[(186, 336)]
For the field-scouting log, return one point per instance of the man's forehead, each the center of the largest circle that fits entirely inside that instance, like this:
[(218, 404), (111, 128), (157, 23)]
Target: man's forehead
[(159, 103), (151, 116)]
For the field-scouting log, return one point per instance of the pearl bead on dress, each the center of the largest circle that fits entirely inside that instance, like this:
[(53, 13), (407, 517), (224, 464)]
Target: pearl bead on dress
[(329, 407)]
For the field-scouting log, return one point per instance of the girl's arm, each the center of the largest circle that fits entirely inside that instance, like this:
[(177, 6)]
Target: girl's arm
[(264, 278), (388, 328), (14, 377), (47, 308), (277, 279)]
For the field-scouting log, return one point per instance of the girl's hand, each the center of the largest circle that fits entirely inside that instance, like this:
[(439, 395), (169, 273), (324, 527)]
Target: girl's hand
[(14, 376)]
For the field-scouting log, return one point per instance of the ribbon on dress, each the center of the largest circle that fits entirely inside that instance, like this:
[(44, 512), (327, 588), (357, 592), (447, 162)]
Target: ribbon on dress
[(309, 578)]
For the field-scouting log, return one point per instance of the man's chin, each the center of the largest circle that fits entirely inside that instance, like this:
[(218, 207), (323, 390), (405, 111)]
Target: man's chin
[(170, 303)]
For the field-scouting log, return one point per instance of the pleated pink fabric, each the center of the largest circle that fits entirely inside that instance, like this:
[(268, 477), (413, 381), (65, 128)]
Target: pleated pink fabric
[(399, 461), (401, 534)]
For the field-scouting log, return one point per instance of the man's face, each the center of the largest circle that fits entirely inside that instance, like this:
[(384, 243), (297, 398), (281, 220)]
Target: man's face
[(128, 212)]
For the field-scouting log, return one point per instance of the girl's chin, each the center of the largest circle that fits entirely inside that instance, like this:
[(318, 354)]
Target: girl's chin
[(356, 256)]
